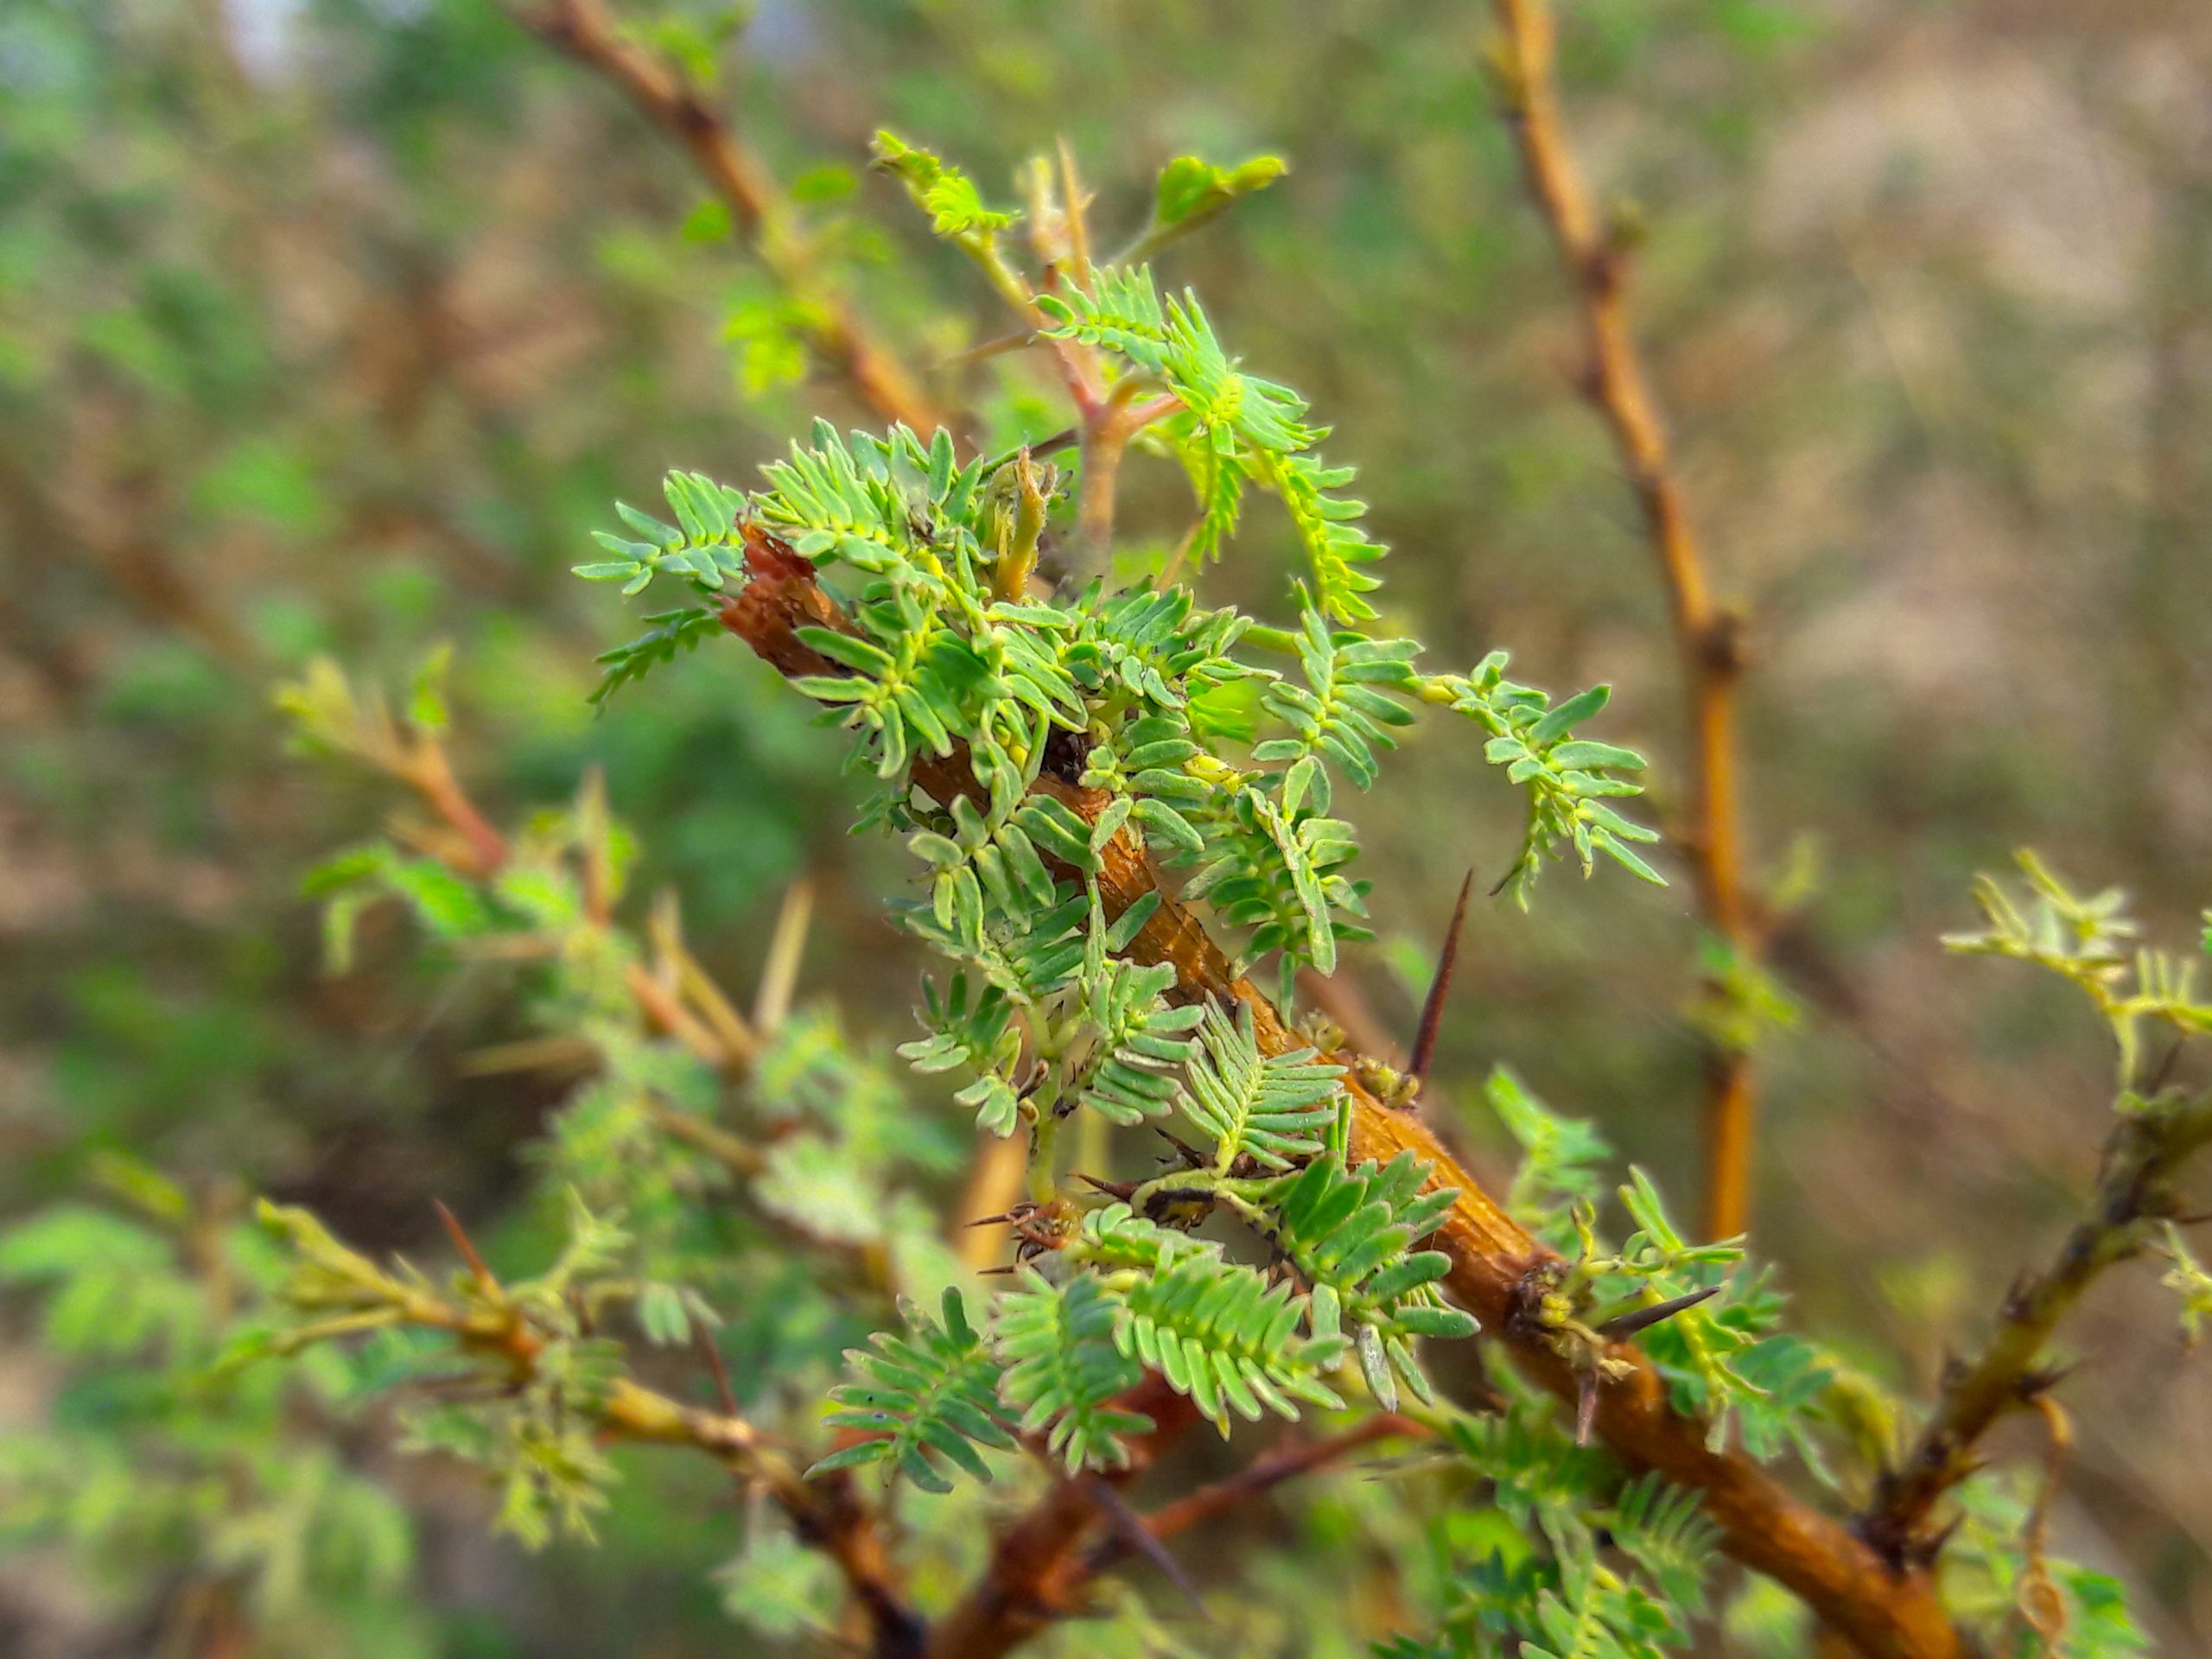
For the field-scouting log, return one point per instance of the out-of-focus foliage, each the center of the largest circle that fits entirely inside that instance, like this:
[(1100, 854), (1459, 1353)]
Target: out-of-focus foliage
[(163, 1461), (328, 330)]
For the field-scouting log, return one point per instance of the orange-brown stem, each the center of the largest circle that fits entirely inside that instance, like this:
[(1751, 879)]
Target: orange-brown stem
[(431, 774), (1706, 635), (828, 1514), (1498, 1271)]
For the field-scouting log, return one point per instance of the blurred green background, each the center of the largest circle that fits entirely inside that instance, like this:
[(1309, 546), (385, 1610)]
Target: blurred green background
[(332, 325)]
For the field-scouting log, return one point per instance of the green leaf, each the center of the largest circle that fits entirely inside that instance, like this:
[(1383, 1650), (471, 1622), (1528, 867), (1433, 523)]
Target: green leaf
[(1139, 1041), (1567, 779), (943, 192), (927, 1399), (1269, 1108), (1349, 1234), (1192, 193), (1562, 1163), (1064, 1370), (1222, 1334)]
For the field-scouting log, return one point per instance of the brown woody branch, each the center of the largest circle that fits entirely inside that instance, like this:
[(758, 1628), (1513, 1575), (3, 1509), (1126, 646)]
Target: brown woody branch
[(1499, 1272), (2147, 1148), (758, 207), (1706, 635), (828, 1514)]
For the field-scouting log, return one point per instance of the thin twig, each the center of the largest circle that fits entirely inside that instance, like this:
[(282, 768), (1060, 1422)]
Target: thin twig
[(739, 1041), (719, 1369), (772, 1005), (1036, 1565), (2038, 1601), (1706, 635), (483, 852), (826, 1513), (1262, 1476), (758, 207), (431, 772)]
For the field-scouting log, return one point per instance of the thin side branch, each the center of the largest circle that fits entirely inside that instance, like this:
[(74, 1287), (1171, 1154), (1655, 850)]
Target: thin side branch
[(1706, 635), (827, 1513), (1132, 1536), (721, 1038), (2147, 1148), (1264, 1474), (758, 207), (830, 1516)]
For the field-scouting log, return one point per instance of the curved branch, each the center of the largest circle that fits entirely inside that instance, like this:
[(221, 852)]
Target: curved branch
[(1036, 1565), (1261, 1475)]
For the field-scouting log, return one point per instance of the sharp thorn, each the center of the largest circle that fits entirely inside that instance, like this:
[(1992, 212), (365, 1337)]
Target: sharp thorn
[(1131, 1528), (468, 1249), (2043, 1381), (713, 1352), (1432, 1008), (1190, 1153), (1642, 1318)]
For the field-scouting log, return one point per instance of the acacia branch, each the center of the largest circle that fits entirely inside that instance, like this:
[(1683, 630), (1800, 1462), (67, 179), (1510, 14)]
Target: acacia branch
[(677, 999), (1499, 1272), (759, 210), (828, 1514), (2150, 1144), (1706, 635), (1036, 1569)]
